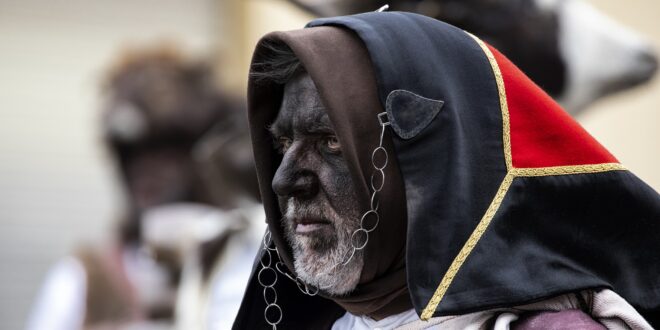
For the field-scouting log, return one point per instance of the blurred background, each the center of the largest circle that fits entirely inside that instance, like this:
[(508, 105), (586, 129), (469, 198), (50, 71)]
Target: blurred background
[(59, 185)]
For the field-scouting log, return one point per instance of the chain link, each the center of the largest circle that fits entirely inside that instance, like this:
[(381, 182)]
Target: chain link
[(271, 304), (360, 236)]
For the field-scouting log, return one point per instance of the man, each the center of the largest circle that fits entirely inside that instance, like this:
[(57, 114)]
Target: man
[(420, 180)]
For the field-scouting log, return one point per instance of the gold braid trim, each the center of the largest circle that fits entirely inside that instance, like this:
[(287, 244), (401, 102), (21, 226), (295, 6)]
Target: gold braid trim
[(467, 248), (512, 173), (506, 127), (565, 170), (492, 210)]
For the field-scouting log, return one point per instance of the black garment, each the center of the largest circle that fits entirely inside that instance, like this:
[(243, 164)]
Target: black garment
[(486, 227)]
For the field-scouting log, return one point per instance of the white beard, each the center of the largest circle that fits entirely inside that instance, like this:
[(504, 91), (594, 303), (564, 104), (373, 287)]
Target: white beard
[(325, 270)]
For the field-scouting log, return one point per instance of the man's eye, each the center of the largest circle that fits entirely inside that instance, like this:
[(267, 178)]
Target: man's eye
[(332, 144), (284, 143)]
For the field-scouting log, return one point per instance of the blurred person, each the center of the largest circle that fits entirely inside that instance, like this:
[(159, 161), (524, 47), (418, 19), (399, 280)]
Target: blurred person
[(559, 44), (157, 106), (414, 178), (215, 275)]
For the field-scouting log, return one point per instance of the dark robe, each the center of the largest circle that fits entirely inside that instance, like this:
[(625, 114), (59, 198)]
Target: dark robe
[(495, 196)]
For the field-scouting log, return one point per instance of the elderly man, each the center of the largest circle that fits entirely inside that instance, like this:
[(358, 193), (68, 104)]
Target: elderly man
[(414, 178)]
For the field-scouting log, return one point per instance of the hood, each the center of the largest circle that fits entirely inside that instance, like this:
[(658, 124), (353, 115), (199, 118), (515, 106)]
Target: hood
[(507, 199)]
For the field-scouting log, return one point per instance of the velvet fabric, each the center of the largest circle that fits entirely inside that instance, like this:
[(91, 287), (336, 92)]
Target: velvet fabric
[(453, 168), (546, 234), (542, 133)]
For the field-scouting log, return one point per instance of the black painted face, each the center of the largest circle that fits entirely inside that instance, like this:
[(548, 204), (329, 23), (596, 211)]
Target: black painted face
[(315, 190)]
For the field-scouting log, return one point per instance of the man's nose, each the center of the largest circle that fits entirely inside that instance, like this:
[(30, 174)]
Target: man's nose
[(294, 180)]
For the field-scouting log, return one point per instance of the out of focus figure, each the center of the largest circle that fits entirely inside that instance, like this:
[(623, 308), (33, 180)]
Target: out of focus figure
[(162, 120), (216, 269), (574, 52)]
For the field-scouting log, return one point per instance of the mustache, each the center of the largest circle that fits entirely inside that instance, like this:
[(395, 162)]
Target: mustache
[(296, 209)]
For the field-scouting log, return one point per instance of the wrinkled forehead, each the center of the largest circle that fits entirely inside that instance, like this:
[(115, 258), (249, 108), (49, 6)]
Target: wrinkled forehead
[(301, 90), (301, 107)]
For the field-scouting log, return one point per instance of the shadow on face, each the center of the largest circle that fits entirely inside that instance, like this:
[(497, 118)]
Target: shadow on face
[(315, 190)]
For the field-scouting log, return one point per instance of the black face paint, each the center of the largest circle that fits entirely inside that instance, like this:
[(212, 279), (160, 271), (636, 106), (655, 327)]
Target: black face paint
[(314, 188)]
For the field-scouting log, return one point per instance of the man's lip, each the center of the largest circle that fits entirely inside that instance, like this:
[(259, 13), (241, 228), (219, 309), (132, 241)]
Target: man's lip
[(308, 221), (308, 225)]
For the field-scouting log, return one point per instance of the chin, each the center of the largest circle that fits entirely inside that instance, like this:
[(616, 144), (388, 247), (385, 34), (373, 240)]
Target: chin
[(319, 243), (319, 250), (324, 271)]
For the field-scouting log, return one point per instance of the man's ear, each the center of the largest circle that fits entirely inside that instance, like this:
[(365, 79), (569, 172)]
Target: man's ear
[(409, 113)]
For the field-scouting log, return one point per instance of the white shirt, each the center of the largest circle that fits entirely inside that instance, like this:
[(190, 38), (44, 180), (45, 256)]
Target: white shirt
[(350, 321)]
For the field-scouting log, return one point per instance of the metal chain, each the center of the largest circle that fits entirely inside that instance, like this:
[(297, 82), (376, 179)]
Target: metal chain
[(360, 236), (269, 287), (357, 243)]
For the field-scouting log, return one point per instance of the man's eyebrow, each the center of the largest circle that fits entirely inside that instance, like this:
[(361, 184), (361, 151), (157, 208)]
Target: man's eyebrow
[(319, 128), (320, 125)]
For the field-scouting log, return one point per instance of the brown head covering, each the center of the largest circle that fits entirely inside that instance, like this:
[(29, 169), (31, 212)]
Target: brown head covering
[(339, 65)]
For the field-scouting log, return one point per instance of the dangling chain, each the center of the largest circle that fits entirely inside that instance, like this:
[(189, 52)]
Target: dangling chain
[(269, 288), (359, 238), (266, 268)]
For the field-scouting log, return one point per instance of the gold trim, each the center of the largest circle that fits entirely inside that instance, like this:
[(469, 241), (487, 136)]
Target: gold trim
[(492, 210), (512, 173), (467, 248), (567, 170), (506, 127)]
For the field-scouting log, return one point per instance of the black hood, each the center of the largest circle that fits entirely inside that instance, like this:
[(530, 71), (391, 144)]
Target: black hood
[(508, 200)]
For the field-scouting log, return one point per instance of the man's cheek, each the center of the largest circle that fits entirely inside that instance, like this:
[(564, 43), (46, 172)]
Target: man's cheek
[(284, 208), (282, 201), (343, 188)]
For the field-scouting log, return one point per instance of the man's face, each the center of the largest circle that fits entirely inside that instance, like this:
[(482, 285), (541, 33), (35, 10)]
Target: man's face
[(315, 191)]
